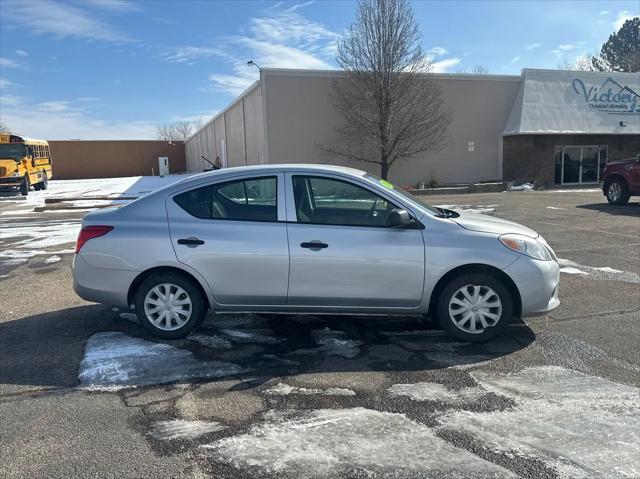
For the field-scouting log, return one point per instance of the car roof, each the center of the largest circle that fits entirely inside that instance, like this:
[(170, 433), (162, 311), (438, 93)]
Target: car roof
[(278, 168)]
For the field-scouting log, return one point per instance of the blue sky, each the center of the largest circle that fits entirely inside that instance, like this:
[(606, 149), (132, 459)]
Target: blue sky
[(115, 69)]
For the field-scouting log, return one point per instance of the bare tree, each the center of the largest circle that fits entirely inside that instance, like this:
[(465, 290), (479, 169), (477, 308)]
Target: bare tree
[(178, 130), (474, 70), (392, 109), (4, 128), (582, 63)]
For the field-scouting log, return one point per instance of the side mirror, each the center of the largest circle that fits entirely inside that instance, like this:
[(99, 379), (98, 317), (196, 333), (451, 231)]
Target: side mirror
[(399, 218)]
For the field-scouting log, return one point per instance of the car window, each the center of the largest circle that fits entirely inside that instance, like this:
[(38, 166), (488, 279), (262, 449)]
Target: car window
[(322, 200), (252, 199)]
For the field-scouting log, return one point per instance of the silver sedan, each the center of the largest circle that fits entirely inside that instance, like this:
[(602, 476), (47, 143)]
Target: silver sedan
[(310, 239)]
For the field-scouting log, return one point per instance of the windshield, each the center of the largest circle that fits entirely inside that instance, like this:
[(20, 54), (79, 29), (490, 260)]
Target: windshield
[(405, 194), (12, 150)]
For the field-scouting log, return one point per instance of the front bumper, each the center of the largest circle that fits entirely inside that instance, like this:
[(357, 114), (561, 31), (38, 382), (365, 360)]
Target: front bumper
[(11, 181), (538, 283)]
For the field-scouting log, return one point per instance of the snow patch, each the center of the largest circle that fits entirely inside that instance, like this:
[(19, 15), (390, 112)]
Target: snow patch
[(250, 335), (213, 342), (181, 429), (603, 273), (114, 361), (355, 442), (282, 389), (436, 392), (555, 208), (481, 209), (523, 187), (572, 270), (583, 426), (53, 259)]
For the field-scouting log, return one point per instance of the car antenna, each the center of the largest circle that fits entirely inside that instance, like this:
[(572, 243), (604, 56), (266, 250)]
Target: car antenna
[(215, 167)]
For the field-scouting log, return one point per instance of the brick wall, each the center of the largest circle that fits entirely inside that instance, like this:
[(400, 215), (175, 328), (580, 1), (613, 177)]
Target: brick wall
[(111, 159), (532, 157)]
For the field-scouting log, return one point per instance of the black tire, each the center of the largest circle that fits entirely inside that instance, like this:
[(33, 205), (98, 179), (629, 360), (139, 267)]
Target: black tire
[(484, 282), (197, 309), (44, 184), (24, 187), (617, 191)]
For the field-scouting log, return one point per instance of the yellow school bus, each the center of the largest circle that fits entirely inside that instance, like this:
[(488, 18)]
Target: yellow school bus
[(24, 162)]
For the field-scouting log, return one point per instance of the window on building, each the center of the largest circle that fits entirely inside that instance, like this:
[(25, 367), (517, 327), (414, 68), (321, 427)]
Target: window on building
[(243, 200), (321, 200), (576, 164)]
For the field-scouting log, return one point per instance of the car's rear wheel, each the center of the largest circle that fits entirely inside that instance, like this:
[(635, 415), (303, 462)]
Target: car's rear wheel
[(169, 305), (617, 191), (474, 307)]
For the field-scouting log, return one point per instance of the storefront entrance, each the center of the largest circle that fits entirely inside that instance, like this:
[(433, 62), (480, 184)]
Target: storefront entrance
[(579, 164)]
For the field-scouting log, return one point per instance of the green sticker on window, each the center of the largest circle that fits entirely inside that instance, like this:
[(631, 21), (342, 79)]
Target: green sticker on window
[(386, 184)]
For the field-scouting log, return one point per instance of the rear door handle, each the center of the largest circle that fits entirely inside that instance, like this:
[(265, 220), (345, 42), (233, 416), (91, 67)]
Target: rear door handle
[(314, 244), (190, 241)]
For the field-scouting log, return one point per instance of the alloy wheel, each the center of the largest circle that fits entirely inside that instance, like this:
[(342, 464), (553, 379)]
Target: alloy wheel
[(474, 308), (615, 191)]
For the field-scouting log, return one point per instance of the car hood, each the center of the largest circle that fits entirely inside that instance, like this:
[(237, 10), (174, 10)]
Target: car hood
[(491, 224), (626, 161)]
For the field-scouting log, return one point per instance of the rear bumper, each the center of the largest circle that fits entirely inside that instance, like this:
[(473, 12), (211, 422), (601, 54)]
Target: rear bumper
[(538, 283), (101, 285)]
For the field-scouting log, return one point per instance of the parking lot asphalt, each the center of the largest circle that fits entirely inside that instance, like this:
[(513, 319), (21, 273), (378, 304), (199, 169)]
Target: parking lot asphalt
[(84, 392)]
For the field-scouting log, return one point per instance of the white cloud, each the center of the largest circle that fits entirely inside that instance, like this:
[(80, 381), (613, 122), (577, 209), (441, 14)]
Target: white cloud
[(187, 54), (515, 59), (62, 120), (533, 46), (118, 5), (8, 63), (605, 12), (299, 5), (21, 53), (436, 51), (4, 83), (276, 39), (623, 16), (444, 66), (62, 20), (567, 46)]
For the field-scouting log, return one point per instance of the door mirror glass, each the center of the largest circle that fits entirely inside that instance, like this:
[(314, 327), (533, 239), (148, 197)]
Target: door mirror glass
[(399, 218)]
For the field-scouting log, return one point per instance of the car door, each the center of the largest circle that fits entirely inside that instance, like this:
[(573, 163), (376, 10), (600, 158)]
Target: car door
[(234, 234), (341, 251)]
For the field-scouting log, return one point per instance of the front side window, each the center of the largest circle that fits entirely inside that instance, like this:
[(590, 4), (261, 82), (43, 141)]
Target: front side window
[(252, 199), (320, 200)]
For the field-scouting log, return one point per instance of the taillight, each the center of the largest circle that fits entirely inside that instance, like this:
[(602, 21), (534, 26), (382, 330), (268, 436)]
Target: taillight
[(89, 232)]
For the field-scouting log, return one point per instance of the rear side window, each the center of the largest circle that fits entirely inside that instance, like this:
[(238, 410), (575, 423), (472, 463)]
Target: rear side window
[(253, 199)]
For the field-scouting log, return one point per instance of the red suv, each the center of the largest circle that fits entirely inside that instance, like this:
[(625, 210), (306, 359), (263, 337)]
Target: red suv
[(622, 180)]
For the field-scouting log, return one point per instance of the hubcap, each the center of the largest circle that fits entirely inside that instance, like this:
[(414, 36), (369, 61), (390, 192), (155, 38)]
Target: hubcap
[(167, 306), (475, 308), (614, 191)]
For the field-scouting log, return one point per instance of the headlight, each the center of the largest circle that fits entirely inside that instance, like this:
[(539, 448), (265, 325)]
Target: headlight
[(528, 246), (15, 173)]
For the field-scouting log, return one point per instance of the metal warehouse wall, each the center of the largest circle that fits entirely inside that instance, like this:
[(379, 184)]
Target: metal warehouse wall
[(111, 159), (236, 135), (300, 118)]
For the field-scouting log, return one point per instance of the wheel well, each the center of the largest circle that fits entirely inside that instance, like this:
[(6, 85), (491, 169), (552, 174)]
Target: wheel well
[(163, 269), (479, 268), (616, 176)]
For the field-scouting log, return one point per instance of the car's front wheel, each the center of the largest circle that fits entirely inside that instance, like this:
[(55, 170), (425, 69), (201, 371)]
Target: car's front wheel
[(474, 307), (617, 192), (169, 305)]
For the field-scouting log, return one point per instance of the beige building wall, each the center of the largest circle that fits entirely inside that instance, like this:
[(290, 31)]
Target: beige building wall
[(300, 119), (235, 135)]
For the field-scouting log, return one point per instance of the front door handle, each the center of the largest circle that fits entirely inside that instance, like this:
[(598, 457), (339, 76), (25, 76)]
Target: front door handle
[(314, 244), (191, 241)]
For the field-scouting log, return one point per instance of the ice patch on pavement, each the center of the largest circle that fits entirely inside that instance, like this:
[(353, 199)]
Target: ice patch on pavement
[(436, 392), (181, 429), (583, 426), (555, 208), (355, 442), (603, 273), (40, 234), (53, 259), (213, 342), (114, 361), (250, 335), (282, 389)]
